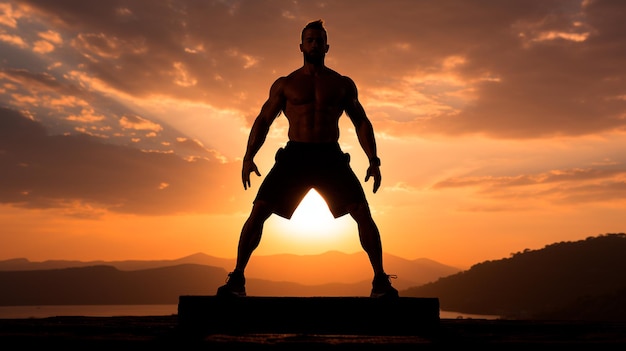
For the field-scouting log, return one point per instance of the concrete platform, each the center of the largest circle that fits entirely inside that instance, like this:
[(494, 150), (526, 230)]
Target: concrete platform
[(308, 315)]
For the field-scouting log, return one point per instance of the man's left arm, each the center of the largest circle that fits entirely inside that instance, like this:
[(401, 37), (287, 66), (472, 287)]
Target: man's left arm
[(364, 132)]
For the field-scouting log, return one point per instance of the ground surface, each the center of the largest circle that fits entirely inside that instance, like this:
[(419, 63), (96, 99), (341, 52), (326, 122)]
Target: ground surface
[(164, 332)]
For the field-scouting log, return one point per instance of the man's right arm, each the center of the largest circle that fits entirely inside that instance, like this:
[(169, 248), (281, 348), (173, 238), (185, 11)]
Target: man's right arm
[(364, 131), (261, 126)]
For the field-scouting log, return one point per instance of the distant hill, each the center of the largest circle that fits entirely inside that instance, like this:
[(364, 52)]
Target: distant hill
[(110, 285), (348, 269), (107, 285), (582, 280)]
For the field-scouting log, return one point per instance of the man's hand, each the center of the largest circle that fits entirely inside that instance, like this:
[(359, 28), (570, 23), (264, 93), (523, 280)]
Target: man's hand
[(374, 171), (248, 167)]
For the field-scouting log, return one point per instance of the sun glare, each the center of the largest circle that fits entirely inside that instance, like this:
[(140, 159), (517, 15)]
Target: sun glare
[(313, 213), (312, 223)]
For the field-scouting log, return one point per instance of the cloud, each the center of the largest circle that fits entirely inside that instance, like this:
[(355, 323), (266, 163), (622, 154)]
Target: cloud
[(138, 123), (8, 17), (80, 172), (579, 186), (14, 40), (515, 69), (43, 47)]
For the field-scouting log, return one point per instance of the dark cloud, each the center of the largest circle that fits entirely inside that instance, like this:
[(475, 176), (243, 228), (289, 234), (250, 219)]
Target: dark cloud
[(601, 184), (57, 171), (39, 82), (134, 45), (555, 67), (528, 69)]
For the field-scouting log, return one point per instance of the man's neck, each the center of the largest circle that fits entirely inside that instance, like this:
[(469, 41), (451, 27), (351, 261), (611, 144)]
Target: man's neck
[(313, 68)]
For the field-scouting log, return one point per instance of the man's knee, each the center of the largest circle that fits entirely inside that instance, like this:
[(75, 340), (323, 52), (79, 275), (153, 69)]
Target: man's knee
[(261, 211), (359, 210)]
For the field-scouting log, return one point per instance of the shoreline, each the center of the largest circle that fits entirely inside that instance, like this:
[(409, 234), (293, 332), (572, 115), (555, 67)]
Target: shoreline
[(46, 311)]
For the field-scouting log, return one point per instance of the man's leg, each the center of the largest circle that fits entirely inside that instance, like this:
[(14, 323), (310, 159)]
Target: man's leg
[(251, 234), (248, 241), (372, 244), (369, 236)]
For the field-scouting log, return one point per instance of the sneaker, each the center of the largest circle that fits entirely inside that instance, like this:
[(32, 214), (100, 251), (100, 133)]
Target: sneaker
[(235, 285), (381, 286)]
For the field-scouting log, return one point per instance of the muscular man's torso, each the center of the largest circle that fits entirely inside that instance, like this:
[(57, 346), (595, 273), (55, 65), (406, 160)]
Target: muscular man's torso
[(313, 104)]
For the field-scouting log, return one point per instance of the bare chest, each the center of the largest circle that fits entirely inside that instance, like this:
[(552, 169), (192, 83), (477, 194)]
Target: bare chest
[(318, 91)]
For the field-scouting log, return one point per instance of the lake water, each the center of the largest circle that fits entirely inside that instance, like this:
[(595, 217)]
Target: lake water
[(19, 312)]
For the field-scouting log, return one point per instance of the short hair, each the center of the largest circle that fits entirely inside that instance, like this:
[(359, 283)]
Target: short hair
[(318, 25)]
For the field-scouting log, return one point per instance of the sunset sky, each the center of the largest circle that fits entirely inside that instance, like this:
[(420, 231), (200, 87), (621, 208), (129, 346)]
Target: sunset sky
[(501, 125)]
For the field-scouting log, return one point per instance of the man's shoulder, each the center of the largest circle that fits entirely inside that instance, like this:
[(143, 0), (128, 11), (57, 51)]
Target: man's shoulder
[(279, 82), (329, 75), (327, 71), (295, 73), (336, 75)]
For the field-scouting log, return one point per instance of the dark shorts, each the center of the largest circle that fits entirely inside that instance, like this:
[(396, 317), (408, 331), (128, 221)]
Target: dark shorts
[(300, 167)]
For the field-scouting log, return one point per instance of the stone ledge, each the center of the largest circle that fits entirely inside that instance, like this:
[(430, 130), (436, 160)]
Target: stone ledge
[(308, 315)]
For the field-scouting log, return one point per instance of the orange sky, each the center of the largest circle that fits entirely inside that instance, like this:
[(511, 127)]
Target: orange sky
[(501, 125)]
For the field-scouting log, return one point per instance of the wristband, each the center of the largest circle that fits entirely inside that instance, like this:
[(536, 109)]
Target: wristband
[(375, 161)]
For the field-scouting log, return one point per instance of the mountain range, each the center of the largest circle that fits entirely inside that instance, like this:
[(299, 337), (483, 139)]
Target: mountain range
[(275, 275), (301, 269), (580, 280)]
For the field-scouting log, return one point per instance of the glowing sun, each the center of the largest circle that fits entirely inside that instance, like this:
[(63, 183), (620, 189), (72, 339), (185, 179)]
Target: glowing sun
[(313, 213), (313, 221)]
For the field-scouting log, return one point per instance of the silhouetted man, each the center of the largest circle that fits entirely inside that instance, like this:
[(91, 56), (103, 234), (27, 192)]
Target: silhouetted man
[(312, 98)]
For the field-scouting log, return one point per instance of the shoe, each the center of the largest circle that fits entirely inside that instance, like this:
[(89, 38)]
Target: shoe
[(235, 285), (381, 286)]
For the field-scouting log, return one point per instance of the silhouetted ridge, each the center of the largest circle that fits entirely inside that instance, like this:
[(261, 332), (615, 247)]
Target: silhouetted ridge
[(350, 269), (540, 283), (107, 285)]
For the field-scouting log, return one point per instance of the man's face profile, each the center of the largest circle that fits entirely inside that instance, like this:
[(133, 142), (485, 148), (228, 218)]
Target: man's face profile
[(314, 46)]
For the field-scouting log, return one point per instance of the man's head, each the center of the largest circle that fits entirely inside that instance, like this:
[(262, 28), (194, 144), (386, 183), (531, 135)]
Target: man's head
[(314, 44), (318, 25)]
